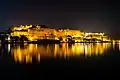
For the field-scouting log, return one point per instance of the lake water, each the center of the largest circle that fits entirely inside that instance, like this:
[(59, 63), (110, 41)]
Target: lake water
[(59, 59)]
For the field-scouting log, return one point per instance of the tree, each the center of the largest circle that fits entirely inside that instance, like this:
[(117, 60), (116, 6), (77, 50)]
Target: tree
[(60, 38), (23, 38)]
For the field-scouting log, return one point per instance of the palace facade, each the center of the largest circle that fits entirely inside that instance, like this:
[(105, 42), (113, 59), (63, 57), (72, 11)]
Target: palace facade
[(38, 32), (42, 32)]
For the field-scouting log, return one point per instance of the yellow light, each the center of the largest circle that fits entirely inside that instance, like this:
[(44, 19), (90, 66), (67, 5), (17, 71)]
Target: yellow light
[(30, 38), (25, 55), (56, 38)]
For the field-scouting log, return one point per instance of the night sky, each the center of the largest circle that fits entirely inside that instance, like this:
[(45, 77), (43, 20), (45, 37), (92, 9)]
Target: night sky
[(92, 15)]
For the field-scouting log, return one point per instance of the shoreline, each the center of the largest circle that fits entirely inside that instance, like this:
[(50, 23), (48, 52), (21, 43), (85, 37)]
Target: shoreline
[(50, 42)]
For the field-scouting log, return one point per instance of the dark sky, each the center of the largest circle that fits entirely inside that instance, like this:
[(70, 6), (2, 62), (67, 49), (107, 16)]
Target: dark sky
[(86, 15)]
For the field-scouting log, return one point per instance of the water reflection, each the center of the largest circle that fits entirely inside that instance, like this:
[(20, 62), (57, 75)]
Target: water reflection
[(29, 52)]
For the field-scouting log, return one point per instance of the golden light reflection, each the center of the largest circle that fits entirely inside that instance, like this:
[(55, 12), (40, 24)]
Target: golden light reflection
[(118, 44), (29, 52)]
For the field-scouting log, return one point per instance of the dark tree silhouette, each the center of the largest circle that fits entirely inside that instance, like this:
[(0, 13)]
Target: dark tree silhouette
[(60, 38), (15, 38), (23, 38)]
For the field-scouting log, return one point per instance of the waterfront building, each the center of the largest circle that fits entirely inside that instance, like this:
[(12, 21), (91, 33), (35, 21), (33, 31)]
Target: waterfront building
[(34, 32), (96, 35), (44, 32), (4, 37), (40, 32), (66, 33)]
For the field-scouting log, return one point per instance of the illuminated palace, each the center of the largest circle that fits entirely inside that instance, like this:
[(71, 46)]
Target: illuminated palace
[(40, 32)]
